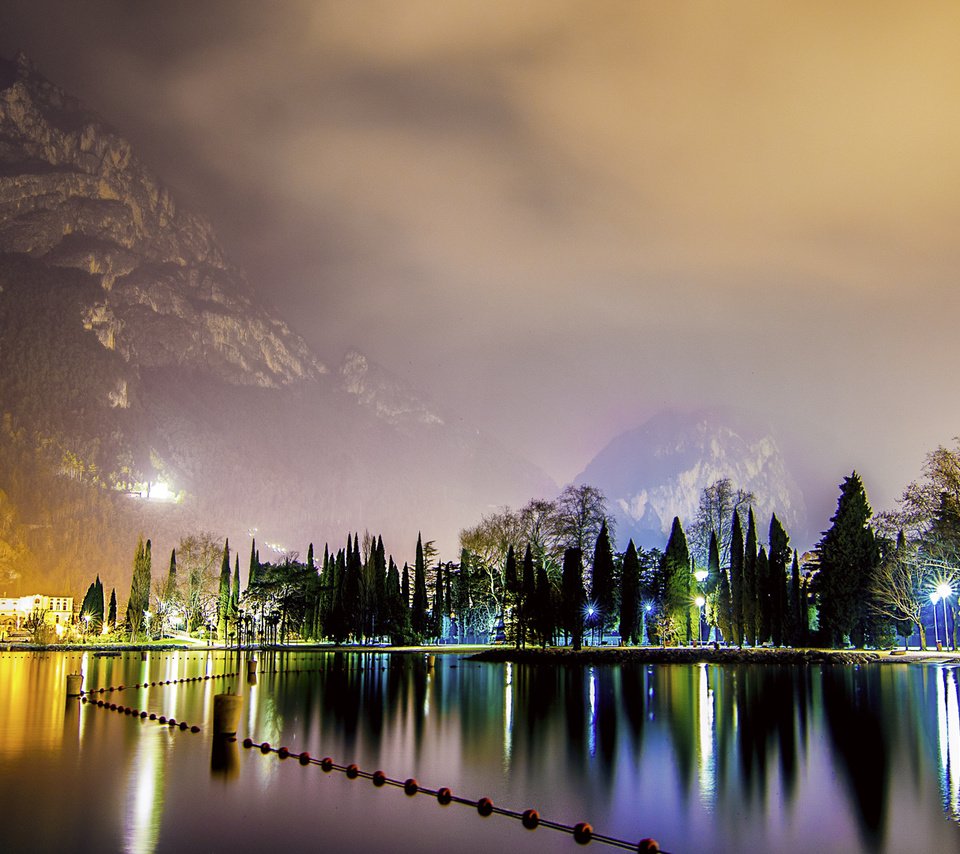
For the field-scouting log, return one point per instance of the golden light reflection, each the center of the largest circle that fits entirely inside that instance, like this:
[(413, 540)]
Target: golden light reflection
[(508, 716), (144, 804), (707, 765), (948, 727)]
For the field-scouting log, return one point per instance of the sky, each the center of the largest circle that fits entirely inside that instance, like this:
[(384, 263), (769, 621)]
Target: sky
[(561, 218)]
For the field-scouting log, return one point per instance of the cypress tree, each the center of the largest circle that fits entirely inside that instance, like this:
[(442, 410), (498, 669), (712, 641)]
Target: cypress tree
[(396, 611), (601, 582), (750, 582), (723, 610), (677, 581), (112, 618), (779, 555), (848, 556), (405, 588), (798, 621), (438, 599), (98, 603), (139, 602), (352, 606), (736, 580), (528, 594), (223, 597), (763, 584), (418, 618), (510, 593), (573, 596), (630, 597), (461, 604), (310, 563), (254, 569), (235, 590), (544, 611)]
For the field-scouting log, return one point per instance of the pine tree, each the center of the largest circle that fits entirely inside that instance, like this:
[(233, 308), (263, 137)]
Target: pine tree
[(750, 582), (601, 582), (418, 618), (677, 582), (223, 598), (572, 596), (848, 557), (630, 597), (736, 580)]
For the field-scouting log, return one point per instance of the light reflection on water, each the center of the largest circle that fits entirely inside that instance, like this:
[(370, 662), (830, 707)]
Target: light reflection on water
[(704, 758)]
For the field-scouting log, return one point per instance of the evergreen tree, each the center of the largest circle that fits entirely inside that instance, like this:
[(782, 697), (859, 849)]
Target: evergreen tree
[(254, 564), (235, 593), (511, 589), (112, 616), (779, 555), (750, 582), (544, 610), (572, 596), (736, 579), (677, 583), (223, 598), (139, 602), (528, 595), (798, 613), (397, 619), (91, 611), (352, 586), (405, 588), (763, 582), (723, 608), (418, 618), (847, 556), (310, 564), (461, 601), (438, 600), (630, 632), (601, 582)]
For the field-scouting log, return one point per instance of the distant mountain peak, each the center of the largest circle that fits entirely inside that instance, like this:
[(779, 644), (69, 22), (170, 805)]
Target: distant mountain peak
[(376, 388), (658, 470)]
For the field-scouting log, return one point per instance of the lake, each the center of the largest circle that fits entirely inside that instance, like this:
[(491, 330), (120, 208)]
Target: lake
[(704, 758)]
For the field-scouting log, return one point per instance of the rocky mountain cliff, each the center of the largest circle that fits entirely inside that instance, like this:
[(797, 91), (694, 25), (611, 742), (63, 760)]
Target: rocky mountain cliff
[(659, 470), (134, 352)]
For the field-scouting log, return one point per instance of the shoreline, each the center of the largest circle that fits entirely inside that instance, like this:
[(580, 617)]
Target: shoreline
[(564, 656)]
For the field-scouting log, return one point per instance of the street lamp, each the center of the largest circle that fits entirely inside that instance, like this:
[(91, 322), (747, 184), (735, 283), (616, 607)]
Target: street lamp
[(934, 598), (700, 601), (944, 591)]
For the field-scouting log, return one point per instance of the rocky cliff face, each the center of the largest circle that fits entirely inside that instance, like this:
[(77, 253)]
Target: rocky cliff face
[(659, 470), (134, 351), (74, 195)]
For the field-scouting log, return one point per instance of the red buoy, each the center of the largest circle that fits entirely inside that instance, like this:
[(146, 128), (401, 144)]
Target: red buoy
[(304, 758), (582, 832), (379, 778), (326, 764), (265, 747), (352, 771), (648, 846), (183, 725), (248, 742), (410, 786), (162, 719), (444, 796), (283, 753), (194, 728), (530, 819), (485, 806)]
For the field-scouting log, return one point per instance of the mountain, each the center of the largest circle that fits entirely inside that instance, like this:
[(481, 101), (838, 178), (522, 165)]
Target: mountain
[(139, 361), (658, 471)]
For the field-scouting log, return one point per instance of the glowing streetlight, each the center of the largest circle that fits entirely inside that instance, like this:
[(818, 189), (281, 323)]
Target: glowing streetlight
[(943, 591), (700, 575), (700, 602)]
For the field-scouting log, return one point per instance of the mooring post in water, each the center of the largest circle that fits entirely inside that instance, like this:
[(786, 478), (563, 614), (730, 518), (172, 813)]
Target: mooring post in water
[(251, 667), (226, 713), (74, 684)]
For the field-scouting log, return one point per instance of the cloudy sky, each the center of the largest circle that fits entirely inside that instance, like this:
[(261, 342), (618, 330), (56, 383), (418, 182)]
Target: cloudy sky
[(560, 218)]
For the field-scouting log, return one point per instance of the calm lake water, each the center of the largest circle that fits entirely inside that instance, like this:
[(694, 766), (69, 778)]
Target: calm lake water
[(703, 758)]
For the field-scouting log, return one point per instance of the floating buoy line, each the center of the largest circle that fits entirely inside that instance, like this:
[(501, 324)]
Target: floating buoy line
[(582, 832)]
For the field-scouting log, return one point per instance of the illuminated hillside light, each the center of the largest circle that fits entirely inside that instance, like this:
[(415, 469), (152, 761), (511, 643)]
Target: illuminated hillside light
[(159, 491), (700, 575)]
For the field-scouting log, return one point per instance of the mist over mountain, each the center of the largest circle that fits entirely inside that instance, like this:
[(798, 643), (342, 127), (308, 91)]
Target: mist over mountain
[(136, 354), (658, 471)]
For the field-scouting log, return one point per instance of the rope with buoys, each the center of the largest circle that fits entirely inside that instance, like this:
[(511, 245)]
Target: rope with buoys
[(582, 832), (157, 684), (183, 726)]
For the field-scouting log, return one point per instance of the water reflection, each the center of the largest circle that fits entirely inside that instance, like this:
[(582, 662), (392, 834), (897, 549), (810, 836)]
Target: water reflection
[(832, 758)]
